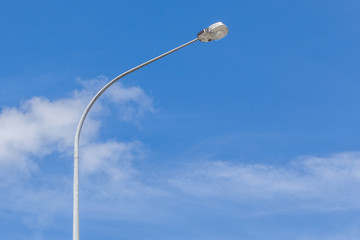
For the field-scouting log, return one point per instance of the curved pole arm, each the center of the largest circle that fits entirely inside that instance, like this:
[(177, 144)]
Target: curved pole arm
[(79, 127)]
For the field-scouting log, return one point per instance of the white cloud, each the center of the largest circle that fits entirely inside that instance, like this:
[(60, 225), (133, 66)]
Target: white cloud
[(131, 102), (112, 158), (41, 126), (37, 128)]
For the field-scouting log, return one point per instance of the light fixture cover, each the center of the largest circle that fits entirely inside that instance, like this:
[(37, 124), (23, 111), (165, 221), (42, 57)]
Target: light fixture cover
[(216, 31)]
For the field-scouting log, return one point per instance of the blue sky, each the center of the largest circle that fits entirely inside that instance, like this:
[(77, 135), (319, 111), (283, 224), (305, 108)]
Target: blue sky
[(251, 137)]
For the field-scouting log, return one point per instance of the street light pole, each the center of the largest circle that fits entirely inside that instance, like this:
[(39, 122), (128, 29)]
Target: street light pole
[(215, 32)]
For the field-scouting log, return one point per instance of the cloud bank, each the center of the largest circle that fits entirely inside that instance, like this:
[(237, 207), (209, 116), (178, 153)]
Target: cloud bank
[(113, 188)]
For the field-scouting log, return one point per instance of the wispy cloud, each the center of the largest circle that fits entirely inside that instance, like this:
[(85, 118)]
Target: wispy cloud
[(322, 183)]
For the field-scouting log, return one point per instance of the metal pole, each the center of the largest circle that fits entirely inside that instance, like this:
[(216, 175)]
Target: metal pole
[(79, 127)]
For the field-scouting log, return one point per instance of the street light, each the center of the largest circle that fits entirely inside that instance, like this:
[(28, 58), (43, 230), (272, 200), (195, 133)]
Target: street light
[(214, 32)]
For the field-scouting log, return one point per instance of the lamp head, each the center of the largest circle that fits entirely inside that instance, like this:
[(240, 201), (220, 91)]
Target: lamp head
[(216, 31)]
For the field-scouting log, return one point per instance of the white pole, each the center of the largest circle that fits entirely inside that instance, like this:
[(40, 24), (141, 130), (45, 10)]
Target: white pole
[(77, 136)]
